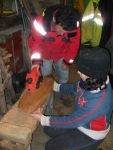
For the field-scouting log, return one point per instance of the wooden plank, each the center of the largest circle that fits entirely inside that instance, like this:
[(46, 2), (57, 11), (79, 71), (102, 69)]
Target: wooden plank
[(19, 117), (6, 77), (15, 133), (25, 5), (10, 145), (31, 100), (7, 56), (17, 125), (3, 108), (26, 52), (37, 6)]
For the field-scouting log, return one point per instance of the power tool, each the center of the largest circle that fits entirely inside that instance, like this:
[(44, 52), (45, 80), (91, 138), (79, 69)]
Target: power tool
[(33, 79)]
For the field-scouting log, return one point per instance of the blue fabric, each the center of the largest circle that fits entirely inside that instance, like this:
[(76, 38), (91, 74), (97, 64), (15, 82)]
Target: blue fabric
[(69, 139), (88, 107), (46, 69)]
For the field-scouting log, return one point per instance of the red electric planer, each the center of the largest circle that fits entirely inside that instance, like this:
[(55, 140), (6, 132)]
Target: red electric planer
[(33, 79)]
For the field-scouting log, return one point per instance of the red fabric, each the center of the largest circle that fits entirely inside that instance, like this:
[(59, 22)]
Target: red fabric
[(98, 124), (53, 50)]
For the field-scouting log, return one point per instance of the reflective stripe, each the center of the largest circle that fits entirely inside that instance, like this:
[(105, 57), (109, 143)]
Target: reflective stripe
[(99, 14), (98, 21), (77, 24), (36, 55), (71, 61), (39, 28), (88, 17)]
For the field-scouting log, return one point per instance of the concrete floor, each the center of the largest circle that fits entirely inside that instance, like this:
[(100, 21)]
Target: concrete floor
[(39, 138)]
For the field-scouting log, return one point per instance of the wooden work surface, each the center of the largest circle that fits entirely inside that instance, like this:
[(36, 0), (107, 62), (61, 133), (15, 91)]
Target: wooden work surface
[(31, 100), (17, 125)]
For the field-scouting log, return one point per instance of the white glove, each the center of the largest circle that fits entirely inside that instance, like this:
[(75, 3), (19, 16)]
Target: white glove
[(56, 87), (45, 120)]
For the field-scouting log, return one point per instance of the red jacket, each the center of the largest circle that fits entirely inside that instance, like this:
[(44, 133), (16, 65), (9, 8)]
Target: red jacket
[(53, 46)]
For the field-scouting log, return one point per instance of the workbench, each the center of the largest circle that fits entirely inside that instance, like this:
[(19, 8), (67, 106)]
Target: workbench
[(17, 126)]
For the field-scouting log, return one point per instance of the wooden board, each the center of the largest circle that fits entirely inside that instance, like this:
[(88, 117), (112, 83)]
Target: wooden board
[(37, 6), (17, 125), (9, 145), (31, 100)]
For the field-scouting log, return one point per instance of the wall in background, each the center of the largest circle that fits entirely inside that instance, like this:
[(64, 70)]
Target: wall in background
[(45, 3)]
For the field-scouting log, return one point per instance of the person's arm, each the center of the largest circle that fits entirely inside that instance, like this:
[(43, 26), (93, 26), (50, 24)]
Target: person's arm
[(72, 49), (35, 42), (44, 120), (86, 109), (65, 88)]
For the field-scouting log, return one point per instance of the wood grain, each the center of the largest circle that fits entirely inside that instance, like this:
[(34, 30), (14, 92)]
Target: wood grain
[(32, 100)]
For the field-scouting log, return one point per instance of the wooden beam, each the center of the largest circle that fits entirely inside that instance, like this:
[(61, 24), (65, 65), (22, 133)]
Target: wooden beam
[(37, 6), (3, 108), (32, 100), (10, 145), (17, 125)]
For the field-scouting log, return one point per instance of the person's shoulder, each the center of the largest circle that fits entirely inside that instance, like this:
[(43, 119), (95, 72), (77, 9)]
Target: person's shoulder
[(39, 18)]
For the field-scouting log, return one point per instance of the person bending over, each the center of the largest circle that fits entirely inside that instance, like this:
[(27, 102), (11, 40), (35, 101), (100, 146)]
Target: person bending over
[(55, 38)]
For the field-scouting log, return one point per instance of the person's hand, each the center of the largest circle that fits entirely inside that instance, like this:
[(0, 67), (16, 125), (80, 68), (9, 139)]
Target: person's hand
[(56, 86), (37, 114), (64, 67)]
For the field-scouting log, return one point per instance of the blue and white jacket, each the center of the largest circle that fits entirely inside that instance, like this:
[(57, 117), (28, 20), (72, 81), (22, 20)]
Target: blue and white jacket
[(92, 111)]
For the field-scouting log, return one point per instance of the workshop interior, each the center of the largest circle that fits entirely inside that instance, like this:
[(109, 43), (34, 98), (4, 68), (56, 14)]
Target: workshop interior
[(20, 84)]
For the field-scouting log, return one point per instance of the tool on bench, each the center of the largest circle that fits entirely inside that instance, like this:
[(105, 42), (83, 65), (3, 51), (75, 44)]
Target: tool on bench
[(33, 79)]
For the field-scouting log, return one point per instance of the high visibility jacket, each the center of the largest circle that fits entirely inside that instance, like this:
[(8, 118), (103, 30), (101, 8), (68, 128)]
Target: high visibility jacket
[(92, 24), (51, 45)]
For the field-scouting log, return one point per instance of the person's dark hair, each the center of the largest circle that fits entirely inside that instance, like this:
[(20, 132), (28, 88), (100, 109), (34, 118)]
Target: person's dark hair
[(67, 18), (95, 84)]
